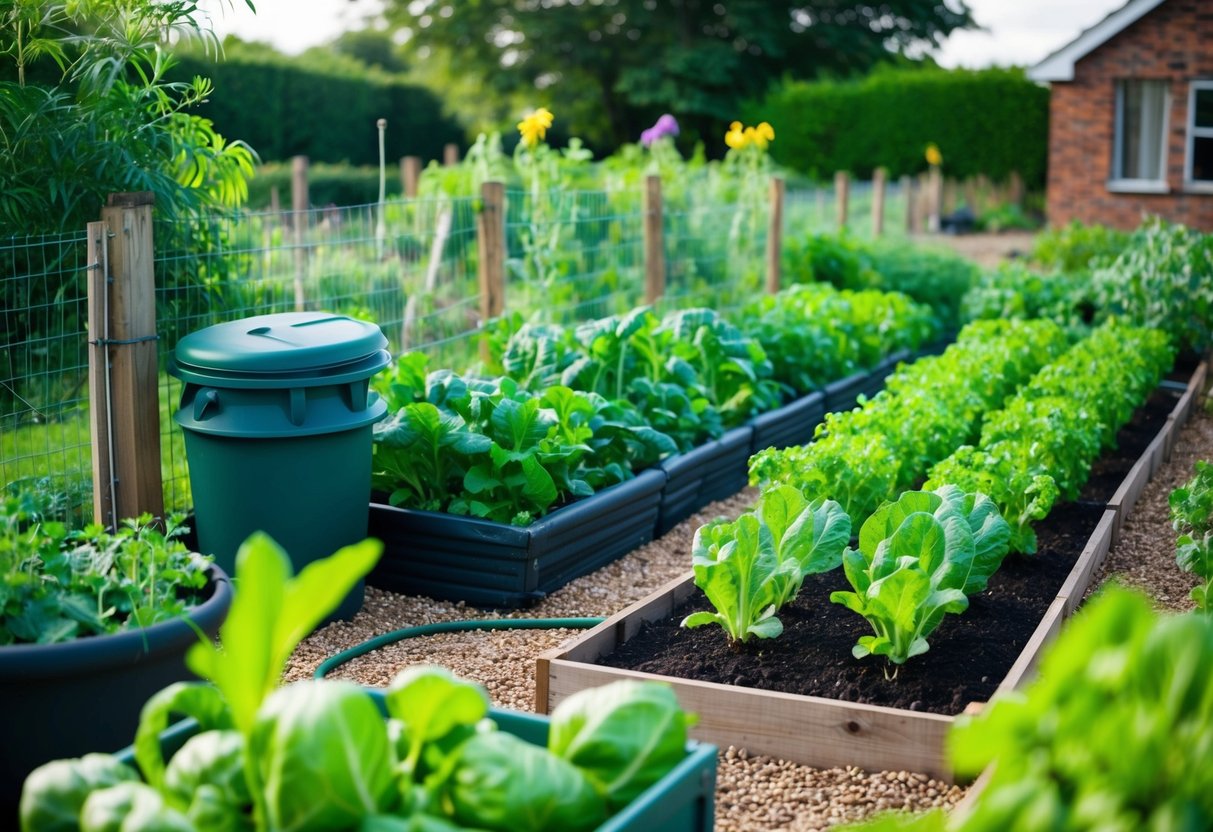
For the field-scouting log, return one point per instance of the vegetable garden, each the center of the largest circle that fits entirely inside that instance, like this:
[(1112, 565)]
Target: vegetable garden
[(913, 494)]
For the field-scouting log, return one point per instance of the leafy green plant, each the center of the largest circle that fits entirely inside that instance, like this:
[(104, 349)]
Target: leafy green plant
[(1015, 291), (919, 558), (490, 449), (1040, 447), (750, 567), (1077, 248), (1192, 516), (60, 585), (321, 755), (865, 456), (1161, 280), (1113, 733)]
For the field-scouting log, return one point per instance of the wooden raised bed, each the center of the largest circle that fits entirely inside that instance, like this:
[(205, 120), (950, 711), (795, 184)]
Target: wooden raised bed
[(814, 730)]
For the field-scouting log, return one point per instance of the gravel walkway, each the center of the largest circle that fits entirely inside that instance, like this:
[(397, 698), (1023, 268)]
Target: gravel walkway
[(753, 792)]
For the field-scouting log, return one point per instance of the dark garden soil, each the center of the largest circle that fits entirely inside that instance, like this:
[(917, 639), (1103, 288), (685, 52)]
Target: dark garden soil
[(970, 654)]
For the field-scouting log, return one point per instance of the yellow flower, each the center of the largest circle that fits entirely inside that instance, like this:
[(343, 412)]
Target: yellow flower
[(534, 126), (739, 136), (736, 137), (934, 157), (764, 134)]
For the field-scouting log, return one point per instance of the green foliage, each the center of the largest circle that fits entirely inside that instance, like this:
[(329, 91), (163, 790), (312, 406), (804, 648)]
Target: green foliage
[(1041, 446), (1192, 516), (109, 120), (1161, 280), (865, 456), (320, 755), (751, 567), (919, 558), (1113, 734), (1015, 291), (496, 451), (319, 107), (624, 736), (933, 276), (1110, 736), (615, 68), (990, 121), (1077, 247), (813, 334), (59, 585)]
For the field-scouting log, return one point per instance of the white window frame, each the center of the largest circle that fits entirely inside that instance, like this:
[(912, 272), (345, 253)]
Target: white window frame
[(1194, 132), (1119, 184)]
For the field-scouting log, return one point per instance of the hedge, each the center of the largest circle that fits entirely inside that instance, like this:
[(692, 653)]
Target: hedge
[(284, 110), (991, 122)]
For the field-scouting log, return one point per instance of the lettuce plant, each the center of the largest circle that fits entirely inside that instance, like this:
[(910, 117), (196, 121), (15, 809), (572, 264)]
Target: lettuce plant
[(1192, 516), (1113, 735), (918, 559), (750, 567)]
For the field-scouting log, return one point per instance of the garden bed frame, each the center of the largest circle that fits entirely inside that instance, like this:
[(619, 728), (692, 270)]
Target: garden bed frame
[(826, 732)]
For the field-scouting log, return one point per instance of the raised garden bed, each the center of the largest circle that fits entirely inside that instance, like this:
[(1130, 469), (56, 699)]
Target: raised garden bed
[(490, 564), (709, 472), (792, 424), (846, 715), (842, 394)]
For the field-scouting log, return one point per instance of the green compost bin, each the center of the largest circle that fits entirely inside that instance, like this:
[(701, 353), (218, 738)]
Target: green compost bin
[(277, 414)]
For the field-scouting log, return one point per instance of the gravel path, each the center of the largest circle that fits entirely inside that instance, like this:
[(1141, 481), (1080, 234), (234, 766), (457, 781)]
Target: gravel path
[(753, 792)]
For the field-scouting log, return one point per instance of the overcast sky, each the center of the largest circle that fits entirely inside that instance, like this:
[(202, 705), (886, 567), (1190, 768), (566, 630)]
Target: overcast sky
[(1018, 31)]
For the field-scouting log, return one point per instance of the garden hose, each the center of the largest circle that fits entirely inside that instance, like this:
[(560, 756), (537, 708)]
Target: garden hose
[(335, 661)]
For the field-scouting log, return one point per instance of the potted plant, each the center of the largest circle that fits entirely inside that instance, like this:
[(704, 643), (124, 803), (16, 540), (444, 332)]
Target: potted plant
[(91, 623), (320, 755)]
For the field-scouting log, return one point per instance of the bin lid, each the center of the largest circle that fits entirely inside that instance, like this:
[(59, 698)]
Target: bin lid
[(287, 342)]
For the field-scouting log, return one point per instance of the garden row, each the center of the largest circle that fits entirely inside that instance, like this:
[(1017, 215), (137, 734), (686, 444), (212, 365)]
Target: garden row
[(1024, 437), (593, 440)]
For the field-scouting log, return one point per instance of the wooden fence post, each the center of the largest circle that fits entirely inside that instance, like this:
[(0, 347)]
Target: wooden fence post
[(654, 243), (934, 198), (490, 236), (1016, 195), (123, 363), (842, 188), (299, 207), (775, 235), (450, 155), (878, 182), (907, 192), (410, 174)]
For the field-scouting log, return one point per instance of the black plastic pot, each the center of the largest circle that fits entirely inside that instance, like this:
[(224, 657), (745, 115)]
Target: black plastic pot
[(876, 378), (841, 394), (65, 700), (710, 472), (493, 565), (792, 424)]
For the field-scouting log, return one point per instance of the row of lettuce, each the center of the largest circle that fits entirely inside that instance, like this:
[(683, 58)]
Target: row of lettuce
[(1005, 422), (560, 413)]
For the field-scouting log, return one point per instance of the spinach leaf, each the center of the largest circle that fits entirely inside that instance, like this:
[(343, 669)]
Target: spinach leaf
[(624, 736), (320, 758), (504, 783), (55, 792), (130, 806)]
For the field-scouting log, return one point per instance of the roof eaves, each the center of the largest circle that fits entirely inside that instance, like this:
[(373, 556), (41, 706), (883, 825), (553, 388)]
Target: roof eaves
[(1059, 66)]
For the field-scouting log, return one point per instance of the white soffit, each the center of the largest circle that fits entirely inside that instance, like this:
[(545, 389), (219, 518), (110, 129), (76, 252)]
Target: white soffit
[(1059, 66)]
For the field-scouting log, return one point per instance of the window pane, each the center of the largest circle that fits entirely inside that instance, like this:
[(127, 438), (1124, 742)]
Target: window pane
[(1204, 108), (1143, 110), (1202, 159)]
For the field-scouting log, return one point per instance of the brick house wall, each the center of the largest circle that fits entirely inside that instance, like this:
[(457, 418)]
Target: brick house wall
[(1173, 42)]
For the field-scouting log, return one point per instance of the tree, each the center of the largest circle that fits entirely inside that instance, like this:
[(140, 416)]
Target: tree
[(611, 67), (109, 120)]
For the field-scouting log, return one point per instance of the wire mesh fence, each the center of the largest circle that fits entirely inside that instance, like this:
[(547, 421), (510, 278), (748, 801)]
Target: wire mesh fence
[(411, 266)]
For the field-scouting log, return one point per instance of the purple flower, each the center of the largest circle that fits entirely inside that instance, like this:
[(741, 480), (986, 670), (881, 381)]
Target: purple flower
[(665, 126)]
